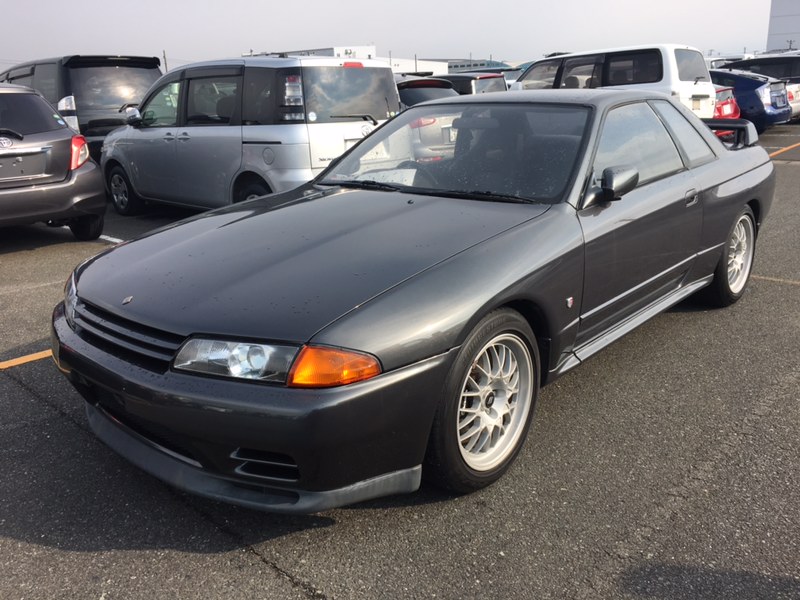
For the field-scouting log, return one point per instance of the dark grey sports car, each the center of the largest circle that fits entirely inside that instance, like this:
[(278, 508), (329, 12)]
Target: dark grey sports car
[(397, 316)]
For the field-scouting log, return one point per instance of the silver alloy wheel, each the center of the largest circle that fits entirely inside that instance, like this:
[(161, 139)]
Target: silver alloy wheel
[(495, 402), (119, 191), (740, 253)]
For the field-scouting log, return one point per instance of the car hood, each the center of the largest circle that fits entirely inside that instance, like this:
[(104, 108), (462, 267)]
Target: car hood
[(254, 270)]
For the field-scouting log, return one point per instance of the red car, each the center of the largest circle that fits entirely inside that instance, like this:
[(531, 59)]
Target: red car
[(726, 107)]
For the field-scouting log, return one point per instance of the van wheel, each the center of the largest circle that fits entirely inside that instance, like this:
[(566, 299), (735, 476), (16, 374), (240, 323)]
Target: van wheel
[(250, 190), (87, 228), (125, 200)]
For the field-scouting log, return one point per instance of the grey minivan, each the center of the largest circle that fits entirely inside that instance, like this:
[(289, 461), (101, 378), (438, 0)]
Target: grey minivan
[(219, 132)]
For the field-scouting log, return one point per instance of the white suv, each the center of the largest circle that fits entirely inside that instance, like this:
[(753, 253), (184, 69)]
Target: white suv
[(675, 70), (218, 132)]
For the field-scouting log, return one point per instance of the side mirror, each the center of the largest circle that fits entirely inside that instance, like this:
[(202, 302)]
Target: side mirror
[(615, 183), (132, 116)]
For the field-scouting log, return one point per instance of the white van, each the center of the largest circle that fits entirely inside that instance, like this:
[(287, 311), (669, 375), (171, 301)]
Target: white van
[(218, 132), (676, 70)]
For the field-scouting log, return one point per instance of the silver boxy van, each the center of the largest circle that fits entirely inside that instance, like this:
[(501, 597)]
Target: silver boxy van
[(672, 69), (214, 133)]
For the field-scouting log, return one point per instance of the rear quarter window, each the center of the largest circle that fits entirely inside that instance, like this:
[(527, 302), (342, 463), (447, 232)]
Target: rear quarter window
[(27, 114), (626, 68)]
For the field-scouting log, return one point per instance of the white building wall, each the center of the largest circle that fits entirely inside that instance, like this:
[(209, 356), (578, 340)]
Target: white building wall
[(784, 25)]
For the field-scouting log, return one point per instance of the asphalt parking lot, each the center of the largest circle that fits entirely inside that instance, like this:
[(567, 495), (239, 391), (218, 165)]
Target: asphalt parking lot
[(666, 467)]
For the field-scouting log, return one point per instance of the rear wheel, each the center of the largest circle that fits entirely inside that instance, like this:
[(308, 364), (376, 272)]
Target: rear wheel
[(733, 270), (125, 200), (252, 189), (87, 228), (484, 416)]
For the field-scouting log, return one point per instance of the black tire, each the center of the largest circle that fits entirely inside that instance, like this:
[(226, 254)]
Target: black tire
[(455, 458), (87, 228), (250, 190), (124, 199), (732, 273)]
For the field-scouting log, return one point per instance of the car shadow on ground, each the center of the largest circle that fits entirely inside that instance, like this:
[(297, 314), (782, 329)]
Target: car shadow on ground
[(31, 237), (668, 581)]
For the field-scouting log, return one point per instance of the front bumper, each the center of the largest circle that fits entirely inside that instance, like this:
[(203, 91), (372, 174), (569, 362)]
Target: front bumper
[(82, 193), (260, 446)]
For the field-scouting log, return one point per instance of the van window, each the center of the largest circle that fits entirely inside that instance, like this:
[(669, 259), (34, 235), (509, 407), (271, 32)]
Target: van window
[(634, 130), (644, 66), (583, 72), (259, 97), (45, 81), (110, 86), (334, 92), (691, 65), (22, 76), (161, 110), (212, 101), (541, 75)]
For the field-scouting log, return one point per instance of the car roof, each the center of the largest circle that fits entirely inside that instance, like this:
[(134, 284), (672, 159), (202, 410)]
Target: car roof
[(663, 47), (598, 97), (472, 75), (283, 60)]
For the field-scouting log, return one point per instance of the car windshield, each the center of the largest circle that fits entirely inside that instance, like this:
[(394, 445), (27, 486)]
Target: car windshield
[(507, 152)]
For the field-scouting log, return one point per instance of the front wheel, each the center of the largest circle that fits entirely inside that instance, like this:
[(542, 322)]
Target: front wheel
[(733, 270), (483, 419)]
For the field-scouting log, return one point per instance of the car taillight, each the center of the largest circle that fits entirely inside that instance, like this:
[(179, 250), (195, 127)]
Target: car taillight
[(293, 98), (80, 152), (790, 95), (764, 94), (422, 122)]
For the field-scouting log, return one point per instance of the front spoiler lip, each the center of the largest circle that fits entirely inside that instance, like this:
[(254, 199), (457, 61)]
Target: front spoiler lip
[(160, 463)]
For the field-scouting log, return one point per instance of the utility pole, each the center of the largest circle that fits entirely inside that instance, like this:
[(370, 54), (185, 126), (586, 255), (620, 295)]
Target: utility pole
[(790, 42), (164, 54)]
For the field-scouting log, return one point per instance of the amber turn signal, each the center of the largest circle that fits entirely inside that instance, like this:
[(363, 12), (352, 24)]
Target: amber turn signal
[(316, 366)]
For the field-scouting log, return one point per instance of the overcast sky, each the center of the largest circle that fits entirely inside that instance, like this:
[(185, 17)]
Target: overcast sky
[(503, 29)]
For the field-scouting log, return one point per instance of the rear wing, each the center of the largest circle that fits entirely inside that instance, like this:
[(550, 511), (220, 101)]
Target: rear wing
[(742, 132)]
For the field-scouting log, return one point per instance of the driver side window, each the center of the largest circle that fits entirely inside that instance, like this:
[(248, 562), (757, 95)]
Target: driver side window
[(634, 136), (161, 110)]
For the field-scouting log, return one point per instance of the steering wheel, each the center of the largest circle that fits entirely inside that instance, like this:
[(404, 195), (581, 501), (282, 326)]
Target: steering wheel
[(421, 171)]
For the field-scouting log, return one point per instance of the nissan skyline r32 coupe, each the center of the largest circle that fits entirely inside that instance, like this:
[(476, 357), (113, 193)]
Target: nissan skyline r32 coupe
[(396, 316)]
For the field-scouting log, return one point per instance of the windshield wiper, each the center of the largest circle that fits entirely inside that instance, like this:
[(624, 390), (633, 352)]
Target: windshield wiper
[(12, 133), (477, 195), (366, 184), (364, 117)]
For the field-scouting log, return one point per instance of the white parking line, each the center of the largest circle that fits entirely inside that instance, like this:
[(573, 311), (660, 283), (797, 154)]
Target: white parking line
[(113, 240)]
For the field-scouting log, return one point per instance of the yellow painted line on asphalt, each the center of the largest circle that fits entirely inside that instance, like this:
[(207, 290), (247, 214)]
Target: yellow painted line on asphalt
[(776, 280), (782, 150), (15, 362)]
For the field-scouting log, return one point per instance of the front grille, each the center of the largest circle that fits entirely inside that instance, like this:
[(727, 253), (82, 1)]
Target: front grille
[(266, 465), (148, 347)]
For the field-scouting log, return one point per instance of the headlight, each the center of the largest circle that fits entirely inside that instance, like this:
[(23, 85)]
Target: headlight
[(242, 360), (70, 300)]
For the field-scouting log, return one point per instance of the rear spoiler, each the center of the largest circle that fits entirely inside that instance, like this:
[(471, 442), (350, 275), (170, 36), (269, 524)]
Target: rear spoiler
[(743, 131)]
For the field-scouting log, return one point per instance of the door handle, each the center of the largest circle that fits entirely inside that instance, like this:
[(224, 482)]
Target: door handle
[(184, 136), (692, 197), (168, 137)]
